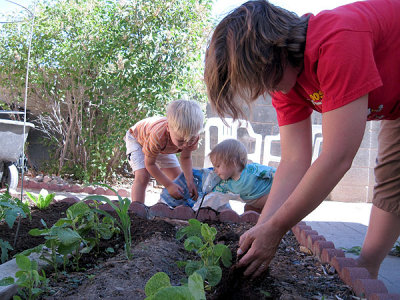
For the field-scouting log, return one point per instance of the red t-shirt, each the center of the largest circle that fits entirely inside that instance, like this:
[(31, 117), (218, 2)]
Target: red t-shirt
[(350, 51)]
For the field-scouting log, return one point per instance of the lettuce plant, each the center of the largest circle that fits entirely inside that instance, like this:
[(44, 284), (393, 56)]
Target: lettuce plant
[(43, 200)]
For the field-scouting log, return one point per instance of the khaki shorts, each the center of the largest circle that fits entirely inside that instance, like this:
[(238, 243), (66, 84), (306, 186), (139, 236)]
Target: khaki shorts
[(387, 170), (136, 156)]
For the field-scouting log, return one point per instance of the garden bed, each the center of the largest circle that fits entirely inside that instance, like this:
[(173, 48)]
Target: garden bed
[(293, 274)]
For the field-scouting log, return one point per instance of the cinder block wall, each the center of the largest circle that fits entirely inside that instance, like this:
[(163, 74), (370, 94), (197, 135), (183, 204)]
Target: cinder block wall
[(356, 186)]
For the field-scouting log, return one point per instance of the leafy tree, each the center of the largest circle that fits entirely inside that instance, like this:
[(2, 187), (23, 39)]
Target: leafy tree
[(99, 66)]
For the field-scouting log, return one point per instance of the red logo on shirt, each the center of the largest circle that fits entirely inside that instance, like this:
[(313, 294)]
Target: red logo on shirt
[(316, 98)]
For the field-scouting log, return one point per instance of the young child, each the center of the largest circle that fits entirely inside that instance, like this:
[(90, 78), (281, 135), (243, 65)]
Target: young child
[(251, 181), (152, 144)]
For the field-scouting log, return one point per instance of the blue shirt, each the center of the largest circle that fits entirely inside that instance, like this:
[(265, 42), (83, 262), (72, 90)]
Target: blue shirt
[(255, 181)]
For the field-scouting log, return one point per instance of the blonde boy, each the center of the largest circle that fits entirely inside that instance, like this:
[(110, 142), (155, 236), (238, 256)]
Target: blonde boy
[(151, 145), (251, 181)]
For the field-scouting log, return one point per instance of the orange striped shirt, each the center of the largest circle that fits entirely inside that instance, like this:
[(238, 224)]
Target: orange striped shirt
[(154, 137)]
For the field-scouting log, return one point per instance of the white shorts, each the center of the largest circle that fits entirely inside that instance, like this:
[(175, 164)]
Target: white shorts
[(136, 156)]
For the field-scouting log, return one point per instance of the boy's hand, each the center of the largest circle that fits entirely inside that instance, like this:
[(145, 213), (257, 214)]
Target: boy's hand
[(193, 191), (175, 191)]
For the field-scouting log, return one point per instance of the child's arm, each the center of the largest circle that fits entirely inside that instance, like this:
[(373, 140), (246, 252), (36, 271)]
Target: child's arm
[(173, 189), (186, 165)]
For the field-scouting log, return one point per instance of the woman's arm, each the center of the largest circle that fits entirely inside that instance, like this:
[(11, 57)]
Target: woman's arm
[(343, 130)]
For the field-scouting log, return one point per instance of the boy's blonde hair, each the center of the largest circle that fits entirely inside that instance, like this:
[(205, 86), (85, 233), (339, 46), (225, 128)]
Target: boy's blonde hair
[(229, 152), (185, 117)]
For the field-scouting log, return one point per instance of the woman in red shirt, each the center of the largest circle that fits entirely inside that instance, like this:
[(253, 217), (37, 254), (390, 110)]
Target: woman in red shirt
[(344, 63)]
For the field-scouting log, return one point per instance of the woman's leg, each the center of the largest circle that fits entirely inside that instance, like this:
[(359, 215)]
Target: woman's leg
[(384, 224), (382, 233), (138, 191)]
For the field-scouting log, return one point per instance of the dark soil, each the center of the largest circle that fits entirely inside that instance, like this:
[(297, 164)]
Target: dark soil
[(293, 274)]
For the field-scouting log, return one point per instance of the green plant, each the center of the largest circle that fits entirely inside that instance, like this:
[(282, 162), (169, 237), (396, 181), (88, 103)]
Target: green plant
[(97, 67), (43, 200), (354, 250), (5, 246), (81, 226), (159, 288), (396, 248), (200, 239), (124, 221), (10, 209), (30, 283)]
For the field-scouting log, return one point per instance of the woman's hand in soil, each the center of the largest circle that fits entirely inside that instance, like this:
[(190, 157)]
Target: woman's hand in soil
[(259, 245)]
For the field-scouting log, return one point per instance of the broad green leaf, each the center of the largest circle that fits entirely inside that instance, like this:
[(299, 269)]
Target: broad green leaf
[(68, 236), (196, 286), (23, 262), (214, 275), (224, 253), (7, 281), (193, 243), (193, 266), (156, 282), (173, 293)]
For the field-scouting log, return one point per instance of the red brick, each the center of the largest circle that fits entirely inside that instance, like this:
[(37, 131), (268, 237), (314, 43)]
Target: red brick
[(228, 216), (249, 217), (71, 200), (350, 274), (99, 191), (366, 287), (340, 262), (76, 189), (123, 193), (328, 254), (34, 185), (298, 229), (160, 210), (312, 238), (109, 192), (303, 236), (183, 212), (207, 214), (319, 245), (106, 207), (88, 190), (384, 296), (139, 209)]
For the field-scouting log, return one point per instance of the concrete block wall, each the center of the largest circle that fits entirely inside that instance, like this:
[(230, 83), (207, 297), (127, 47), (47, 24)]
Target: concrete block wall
[(356, 186)]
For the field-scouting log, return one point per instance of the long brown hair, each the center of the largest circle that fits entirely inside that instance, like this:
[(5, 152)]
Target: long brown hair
[(248, 53)]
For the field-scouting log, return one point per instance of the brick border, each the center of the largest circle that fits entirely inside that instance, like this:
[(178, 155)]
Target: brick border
[(357, 278)]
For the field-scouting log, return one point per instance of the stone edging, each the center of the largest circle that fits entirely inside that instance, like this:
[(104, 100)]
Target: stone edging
[(356, 277)]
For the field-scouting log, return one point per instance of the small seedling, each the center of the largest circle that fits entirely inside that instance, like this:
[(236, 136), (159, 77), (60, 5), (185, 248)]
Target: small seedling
[(159, 288), (200, 239), (43, 200), (30, 283), (122, 209), (354, 250)]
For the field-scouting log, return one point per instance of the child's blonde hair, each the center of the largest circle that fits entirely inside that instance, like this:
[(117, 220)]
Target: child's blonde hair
[(229, 152), (185, 117)]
